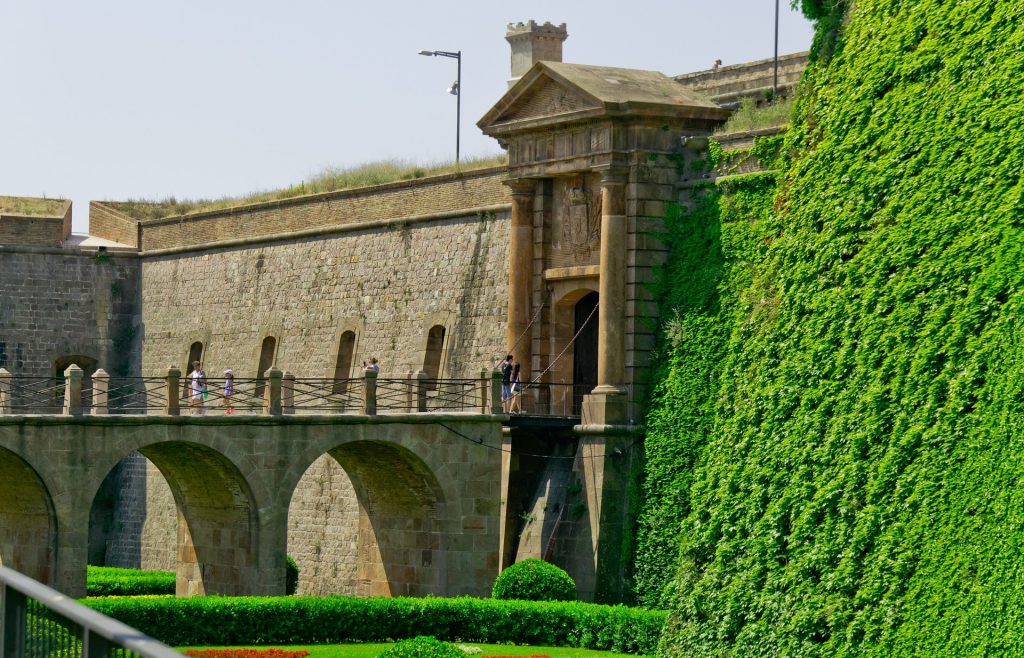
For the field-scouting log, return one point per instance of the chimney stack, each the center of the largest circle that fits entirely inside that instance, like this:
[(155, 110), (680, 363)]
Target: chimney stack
[(532, 43)]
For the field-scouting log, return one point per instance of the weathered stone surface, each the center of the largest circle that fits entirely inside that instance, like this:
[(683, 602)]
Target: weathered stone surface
[(417, 484)]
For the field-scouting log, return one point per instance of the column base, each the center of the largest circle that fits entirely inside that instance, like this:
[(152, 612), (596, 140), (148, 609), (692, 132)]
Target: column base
[(605, 405)]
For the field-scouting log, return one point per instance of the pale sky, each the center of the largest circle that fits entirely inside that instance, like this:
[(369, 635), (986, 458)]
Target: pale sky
[(116, 99)]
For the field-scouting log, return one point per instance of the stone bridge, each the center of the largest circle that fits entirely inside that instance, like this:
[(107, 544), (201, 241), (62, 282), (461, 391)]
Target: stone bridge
[(429, 489)]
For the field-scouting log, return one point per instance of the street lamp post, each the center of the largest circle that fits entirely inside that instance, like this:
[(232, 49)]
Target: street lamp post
[(775, 74), (455, 89)]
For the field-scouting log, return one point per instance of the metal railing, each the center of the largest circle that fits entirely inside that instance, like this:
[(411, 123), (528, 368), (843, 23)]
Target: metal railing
[(280, 393), (37, 621), (35, 395)]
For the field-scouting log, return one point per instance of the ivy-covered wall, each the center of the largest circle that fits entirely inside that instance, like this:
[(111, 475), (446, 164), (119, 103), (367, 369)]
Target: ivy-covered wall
[(835, 449)]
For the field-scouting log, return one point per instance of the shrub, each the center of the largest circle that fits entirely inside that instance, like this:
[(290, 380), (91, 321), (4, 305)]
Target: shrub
[(114, 581), (423, 647), (290, 620), (534, 580), (291, 576)]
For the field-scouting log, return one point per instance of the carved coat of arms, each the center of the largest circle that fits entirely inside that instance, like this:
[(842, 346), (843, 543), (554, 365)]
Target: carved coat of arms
[(581, 212)]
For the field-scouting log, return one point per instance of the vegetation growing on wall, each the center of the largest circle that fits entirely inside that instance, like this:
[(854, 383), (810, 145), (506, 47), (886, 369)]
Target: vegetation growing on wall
[(713, 248), (328, 180), (845, 449)]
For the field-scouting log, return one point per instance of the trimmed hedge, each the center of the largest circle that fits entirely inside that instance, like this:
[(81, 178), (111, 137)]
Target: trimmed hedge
[(114, 581), (424, 647), (291, 576), (210, 620), (534, 580)]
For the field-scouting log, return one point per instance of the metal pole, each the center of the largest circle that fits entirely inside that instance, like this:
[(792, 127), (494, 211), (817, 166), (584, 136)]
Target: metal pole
[(458, 103), (774, 82)]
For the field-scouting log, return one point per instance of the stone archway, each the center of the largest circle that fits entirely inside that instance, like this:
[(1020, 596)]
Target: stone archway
[(382, 523), (217, 526), (27, 520)]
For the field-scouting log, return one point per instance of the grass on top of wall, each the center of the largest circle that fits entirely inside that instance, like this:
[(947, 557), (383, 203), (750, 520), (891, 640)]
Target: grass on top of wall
[(23, 205), (328, 180), (751, 116)]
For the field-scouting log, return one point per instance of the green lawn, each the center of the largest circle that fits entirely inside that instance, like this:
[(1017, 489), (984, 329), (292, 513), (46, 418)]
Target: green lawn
[(374, 650)]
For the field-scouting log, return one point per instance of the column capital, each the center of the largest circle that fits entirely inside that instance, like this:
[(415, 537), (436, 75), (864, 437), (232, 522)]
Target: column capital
[(521, 186), (613, 175)]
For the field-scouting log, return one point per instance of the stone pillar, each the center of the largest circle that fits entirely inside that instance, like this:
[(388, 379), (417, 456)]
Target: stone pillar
[(605, 462), (272, 404), (370, 392), (100, 389), (410, 391), (485, 391), (607, 405), (73, 391), (421, 391), (520, 271), (5, 392), (496, 406), (288, 393), (173, 405)]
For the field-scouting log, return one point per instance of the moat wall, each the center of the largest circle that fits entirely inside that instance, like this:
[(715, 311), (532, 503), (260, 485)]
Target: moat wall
[(56, 303)]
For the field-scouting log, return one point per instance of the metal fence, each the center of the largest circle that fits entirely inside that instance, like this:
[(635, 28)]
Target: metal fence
[(37, 621), (284, 394)]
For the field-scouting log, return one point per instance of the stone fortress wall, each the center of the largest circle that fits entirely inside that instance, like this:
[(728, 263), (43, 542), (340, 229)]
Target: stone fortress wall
[(387, 263), (386, 266), (58, 303)]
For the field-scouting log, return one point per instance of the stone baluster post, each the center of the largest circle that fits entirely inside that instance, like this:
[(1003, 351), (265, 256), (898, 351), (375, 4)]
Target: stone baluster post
[(73, 391), (172, 406), (410, 391), (485, 391), (520, 270), (421, 391), (272, 402), (370, 393), (100, 391), (496, 405), (5, 392), (288, 393)]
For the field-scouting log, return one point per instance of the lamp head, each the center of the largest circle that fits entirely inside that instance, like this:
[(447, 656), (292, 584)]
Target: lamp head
[(454, 88), (427, 53)]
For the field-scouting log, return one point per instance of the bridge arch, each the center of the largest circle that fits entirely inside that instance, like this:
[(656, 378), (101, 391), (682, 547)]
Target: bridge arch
[(217, 519), (394, 544), (28, 523)]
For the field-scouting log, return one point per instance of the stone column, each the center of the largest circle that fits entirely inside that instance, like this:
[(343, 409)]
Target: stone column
[(611, 336), (520, 271), (607, 403), (73, 391), (100, 388)]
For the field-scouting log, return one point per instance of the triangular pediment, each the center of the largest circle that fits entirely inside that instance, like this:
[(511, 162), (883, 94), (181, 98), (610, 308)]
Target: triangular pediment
[(545, 98), (551, 93)]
